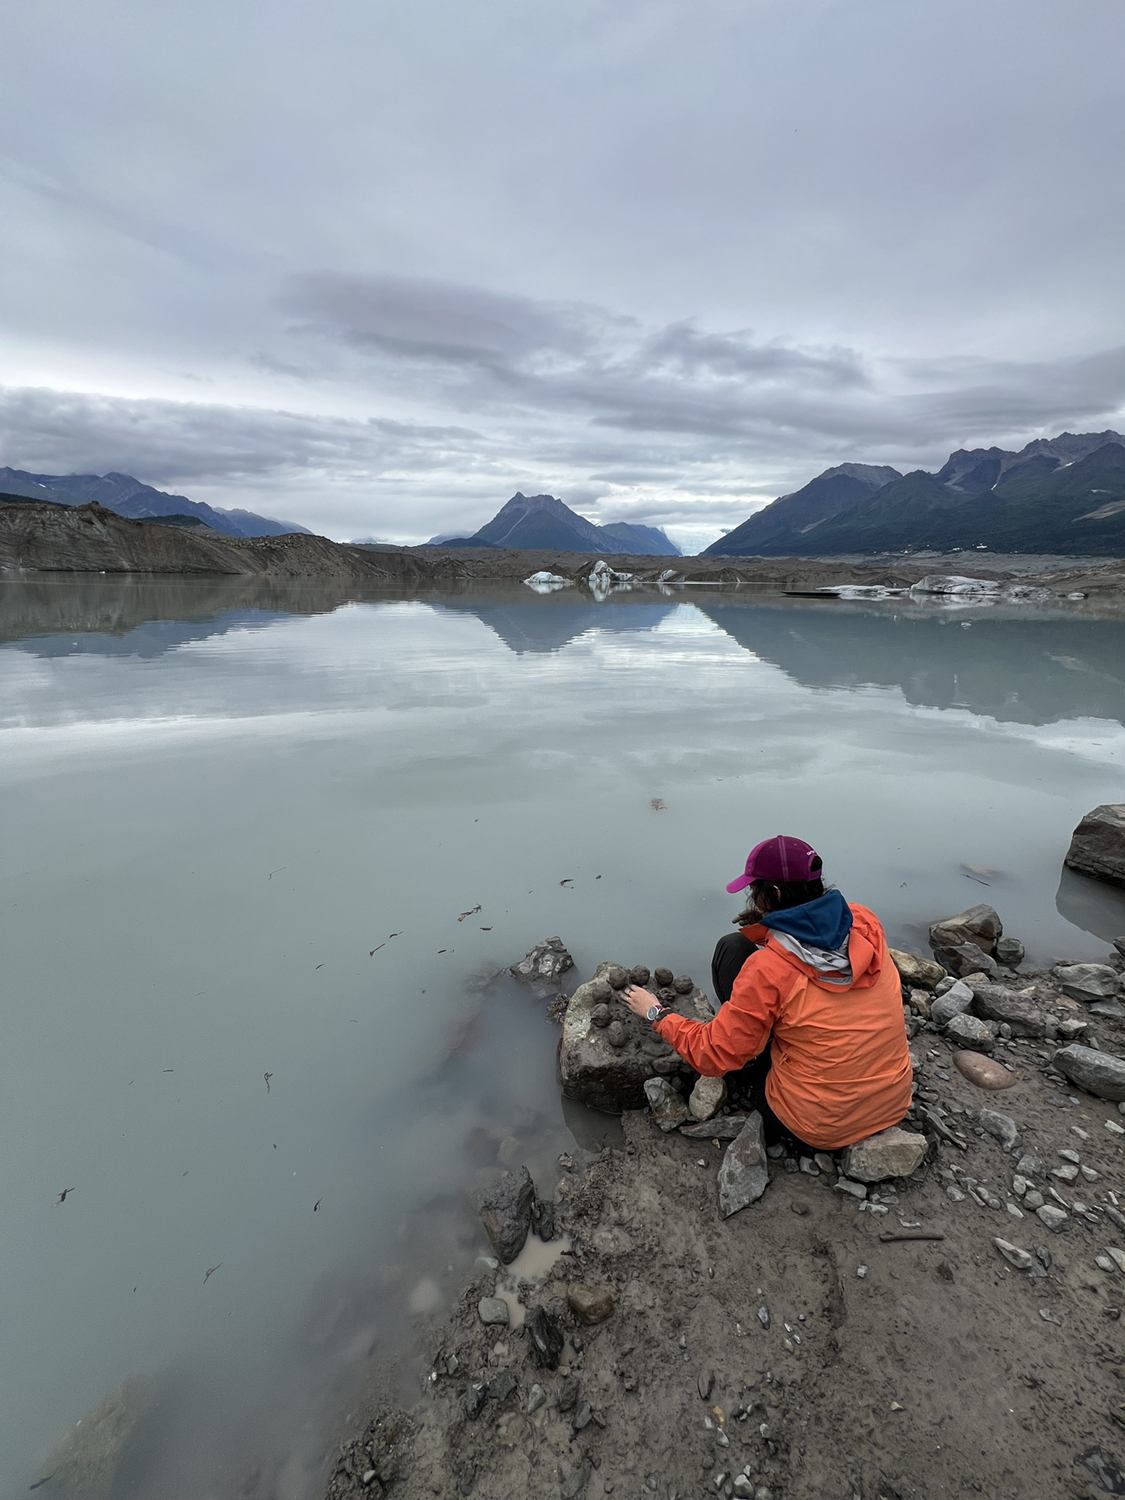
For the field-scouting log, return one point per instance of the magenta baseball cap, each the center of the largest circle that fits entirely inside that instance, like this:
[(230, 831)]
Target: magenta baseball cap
[(781, 858)]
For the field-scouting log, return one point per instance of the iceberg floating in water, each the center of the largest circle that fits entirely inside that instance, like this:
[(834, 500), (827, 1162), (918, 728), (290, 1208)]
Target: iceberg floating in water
[(546, 583)]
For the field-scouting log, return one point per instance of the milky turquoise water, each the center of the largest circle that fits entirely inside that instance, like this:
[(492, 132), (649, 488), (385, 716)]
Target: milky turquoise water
[(218, 800)]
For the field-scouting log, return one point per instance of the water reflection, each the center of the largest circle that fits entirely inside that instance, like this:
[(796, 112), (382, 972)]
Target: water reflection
[(224, 800), (1019, 664)]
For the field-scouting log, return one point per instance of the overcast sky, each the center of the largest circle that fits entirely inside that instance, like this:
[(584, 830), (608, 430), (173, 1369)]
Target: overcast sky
[(375, 266)]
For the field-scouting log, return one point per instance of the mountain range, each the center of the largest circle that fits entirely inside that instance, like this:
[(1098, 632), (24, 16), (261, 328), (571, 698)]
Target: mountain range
[(542, 523), (1063, 495), (137, 502)]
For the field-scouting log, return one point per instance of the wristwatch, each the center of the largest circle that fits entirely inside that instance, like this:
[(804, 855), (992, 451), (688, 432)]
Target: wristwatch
[(654, 1012)]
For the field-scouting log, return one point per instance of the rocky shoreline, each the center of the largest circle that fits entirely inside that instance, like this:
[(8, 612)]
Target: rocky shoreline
[(879, 1323), (38, 539)]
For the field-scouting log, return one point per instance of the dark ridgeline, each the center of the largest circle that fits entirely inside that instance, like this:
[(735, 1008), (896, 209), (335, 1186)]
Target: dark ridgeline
[(542, 523), (1056, 495), (128, 497)]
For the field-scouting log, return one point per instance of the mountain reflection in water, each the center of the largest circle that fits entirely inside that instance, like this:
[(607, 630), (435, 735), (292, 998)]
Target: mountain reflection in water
[(1024, 664)]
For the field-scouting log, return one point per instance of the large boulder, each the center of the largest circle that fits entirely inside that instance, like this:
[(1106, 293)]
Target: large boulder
[(744, 1171), (966, 959), (1099, 1073), (606, 1053), (1097, 847), (922, 973), (890, 1153), (992, 1002), (977, 924), (504, 1201), (1088, 982)]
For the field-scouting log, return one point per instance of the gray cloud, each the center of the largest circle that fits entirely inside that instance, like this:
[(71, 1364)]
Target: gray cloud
[(679, 257)]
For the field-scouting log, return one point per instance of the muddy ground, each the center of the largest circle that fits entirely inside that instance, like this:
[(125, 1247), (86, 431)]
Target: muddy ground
[(902, 1369)]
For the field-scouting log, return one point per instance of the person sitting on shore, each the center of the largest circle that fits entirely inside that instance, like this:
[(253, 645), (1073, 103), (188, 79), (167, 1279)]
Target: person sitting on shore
[(808, 997)]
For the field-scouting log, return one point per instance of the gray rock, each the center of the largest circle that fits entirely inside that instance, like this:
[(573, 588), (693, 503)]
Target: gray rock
[(1071, 1029), (764, 1316), (574, 1483), (668, 1107), (582, 1417), (922, 972), (978, 924), (504, 1201), (1097, 847), (969, 1032), (663, 977), (1009, 952), (543, 1219), (683, 984), (952, 1002), (1001, 1127), (544, 964), (1088, 982), (1054, 1218), (501, 1386), (536, 1397), (493, 1310), (1029, 1165), (743, 1173), (967, 959), (808, 1166), (1109, 1010), (992, 1002), (590, 1304), (638, 974), (707, 1097), (721, 1128), (544, 1334), (1023, 1260), (473, 1403), (850, 1189), (1033, 1199), (1099, 1073), (568, 1394), (890, 1153)]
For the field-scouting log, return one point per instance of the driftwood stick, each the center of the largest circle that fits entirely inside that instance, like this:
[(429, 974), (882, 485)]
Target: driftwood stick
[(910, 1234)]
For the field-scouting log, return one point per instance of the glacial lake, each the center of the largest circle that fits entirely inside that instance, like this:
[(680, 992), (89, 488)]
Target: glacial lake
[(264, 848)]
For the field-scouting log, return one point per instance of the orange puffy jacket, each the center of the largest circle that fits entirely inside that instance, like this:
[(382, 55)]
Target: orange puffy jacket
[(840, 1066)]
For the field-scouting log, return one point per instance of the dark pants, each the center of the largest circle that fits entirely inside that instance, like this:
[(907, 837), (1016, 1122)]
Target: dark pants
[(746, 1088)]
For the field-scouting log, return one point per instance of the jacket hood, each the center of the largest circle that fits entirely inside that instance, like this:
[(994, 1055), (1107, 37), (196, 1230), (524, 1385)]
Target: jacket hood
[(823, 923)]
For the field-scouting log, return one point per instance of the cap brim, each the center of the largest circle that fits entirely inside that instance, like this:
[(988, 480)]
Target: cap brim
[(740, 884)]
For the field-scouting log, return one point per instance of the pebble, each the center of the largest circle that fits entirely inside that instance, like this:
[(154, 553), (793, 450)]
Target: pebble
[(1053, 1217), (1014, 1211), (493, 1310), (1023, 1260), (1029, 1166), (1118, 1257), (954, 1194), (1033, 1199), (590, 1304), (1071, 1156), (1048, 1316), (1115, 1127), (824, 1161), (1020, 1185), (861, 1272), (707, 1097), (536, 1397), (764, 1316), (809, 1167), (984, 1072), (1001, 1127), (1065, 1174), (852, 1189), (501, 1386)]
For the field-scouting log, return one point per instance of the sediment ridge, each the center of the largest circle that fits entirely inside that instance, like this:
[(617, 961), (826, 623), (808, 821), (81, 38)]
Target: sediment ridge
[(38, 538)]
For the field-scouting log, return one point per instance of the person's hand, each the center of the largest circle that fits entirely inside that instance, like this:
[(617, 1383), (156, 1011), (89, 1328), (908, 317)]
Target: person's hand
[(639, 1001)]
